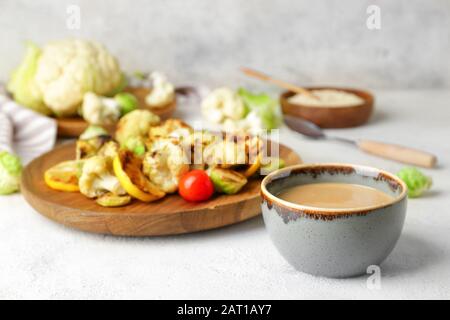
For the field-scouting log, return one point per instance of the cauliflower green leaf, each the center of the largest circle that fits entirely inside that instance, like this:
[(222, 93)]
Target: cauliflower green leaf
[(22, 84), (264, 106)]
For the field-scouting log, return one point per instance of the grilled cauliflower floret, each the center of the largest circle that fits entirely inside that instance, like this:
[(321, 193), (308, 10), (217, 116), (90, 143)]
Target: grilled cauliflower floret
[(90, 147), (254, 146), (129, 170), (196, 144), (110, 150), (162, 93), (203, 137), (97, 178), (234, 150), (171, 128), (135, 124), (225, 153), (165, 163), (223, 103)]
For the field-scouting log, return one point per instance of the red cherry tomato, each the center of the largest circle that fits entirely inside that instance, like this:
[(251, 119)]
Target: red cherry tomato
[(196, 186)]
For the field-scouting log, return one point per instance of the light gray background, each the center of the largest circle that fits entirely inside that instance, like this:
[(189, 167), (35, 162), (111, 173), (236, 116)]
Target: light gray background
[(308, 41), (204, 41)]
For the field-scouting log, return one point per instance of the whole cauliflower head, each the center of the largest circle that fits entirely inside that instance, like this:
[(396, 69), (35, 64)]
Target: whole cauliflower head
[(135, 124), (68, 69)]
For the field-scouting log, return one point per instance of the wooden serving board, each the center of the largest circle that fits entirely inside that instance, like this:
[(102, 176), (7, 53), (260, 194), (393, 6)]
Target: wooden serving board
[(168, 216), (75, 126)]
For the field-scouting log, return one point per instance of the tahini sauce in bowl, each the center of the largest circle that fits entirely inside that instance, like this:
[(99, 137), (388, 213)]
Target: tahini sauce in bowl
[(327, 98)]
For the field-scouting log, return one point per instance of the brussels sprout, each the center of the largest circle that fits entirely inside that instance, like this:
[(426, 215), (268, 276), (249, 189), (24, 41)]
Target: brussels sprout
[(140, 75), (112, 200), (416, 181), (227, 181), (272, 164), (136, 145), (126, 101), (10, 171), (92, 132)]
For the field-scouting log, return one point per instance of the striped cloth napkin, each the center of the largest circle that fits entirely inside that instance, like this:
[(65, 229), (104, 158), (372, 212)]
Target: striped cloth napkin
[(23, 131)]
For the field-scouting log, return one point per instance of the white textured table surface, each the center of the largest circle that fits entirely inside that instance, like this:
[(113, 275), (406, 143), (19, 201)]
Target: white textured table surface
[(41, 259)]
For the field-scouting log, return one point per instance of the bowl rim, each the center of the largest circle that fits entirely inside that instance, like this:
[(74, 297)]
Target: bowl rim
[(266, 195)]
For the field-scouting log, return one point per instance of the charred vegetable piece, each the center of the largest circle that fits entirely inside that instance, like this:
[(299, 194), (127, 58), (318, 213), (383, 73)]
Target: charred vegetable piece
[(112, 200), (227, 181), (110, 150), (171, 128), (136, 145), (165, 164), (98, 179), (64, 176), (137, 123), (92, 132), (128, 169), (88, 148), (251, 170), (272, 164)]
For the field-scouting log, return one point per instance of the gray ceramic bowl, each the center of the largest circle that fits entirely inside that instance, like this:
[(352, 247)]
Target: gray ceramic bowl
[(333, 243)]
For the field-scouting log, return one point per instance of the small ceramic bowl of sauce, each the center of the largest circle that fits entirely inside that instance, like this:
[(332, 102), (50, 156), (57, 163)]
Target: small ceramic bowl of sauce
[(333, 108), (333, 220)]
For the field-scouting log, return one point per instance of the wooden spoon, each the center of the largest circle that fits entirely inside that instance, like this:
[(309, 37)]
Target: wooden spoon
[(264, 77)]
